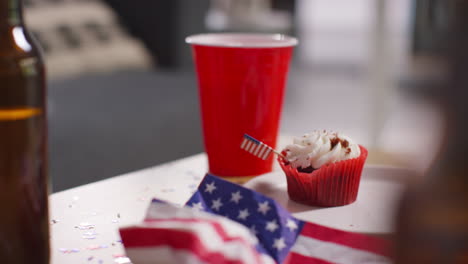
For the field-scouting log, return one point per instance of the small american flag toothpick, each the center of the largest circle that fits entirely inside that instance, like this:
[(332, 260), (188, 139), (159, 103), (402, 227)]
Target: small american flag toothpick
[(257, 148)]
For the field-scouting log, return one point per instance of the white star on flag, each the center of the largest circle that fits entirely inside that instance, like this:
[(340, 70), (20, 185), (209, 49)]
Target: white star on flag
[(235, 197), (253, 230), (291, 225), (279, 244), (210, 187), (243, 214), (198, 206), (263, 207), (216, 204), (271, 226)]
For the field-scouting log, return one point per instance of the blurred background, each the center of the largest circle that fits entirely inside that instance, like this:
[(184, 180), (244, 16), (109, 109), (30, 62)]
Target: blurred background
[(123, 92)]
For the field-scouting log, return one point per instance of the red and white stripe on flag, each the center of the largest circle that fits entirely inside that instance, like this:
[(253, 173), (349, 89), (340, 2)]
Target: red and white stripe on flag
[(322, 245), (256, 148), (184, 235)]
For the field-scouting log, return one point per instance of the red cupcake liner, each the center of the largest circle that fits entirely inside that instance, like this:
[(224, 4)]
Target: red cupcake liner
[(331, 185)]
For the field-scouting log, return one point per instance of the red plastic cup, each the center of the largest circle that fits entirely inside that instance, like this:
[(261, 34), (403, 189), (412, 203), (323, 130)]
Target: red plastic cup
[(241, 81)]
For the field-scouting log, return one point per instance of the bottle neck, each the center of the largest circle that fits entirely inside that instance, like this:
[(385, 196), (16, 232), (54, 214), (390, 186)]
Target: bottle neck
[(11, 12), (454, 96), (456, 135)]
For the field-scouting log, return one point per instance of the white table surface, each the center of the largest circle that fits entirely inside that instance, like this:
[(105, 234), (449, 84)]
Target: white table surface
[(119, 201)]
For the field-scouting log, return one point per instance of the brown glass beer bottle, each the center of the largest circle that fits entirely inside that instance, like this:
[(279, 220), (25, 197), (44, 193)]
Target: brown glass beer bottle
[(24, 225), (433, 220)]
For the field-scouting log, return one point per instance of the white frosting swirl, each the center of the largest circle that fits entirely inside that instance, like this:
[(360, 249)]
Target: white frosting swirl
[(319, 148)]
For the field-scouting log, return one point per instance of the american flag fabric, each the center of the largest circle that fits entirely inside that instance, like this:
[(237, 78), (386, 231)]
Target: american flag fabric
[(171, 234), (271, 234), (256, 147)]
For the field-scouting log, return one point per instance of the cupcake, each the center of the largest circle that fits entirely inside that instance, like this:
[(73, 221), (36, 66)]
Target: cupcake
[(323, 168)]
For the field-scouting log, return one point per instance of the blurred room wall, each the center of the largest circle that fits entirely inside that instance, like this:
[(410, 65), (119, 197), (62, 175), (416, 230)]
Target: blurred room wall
[(163, 25), (79, 37)]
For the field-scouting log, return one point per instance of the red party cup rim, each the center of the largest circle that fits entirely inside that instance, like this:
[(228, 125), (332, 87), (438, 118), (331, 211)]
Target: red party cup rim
[(242, 40)]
